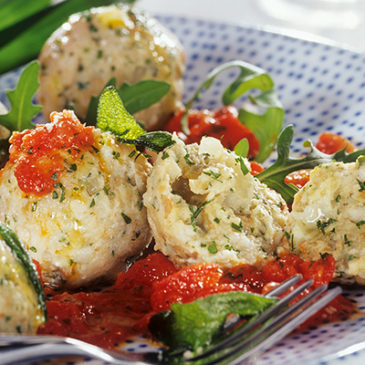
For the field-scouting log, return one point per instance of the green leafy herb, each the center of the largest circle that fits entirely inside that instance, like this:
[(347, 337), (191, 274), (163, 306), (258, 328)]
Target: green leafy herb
[(237, 227), (212, 248), (142, 94), (245, 170), (22, 109), (267, 125), (30, 39), (359, 224), (274, 175), (242, 147), (347, 242), (213, 175), (21, 253), (322, 225), (135, 97), (112, 116), (197, 324), (12, 12), (361, 184), (188, 161), (126, 218)]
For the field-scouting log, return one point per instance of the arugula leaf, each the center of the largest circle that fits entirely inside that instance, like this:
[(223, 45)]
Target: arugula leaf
[(22, 109), (135, 97), (266, 126), (112, 116), (274, 175), (198, 323), (242, 147)]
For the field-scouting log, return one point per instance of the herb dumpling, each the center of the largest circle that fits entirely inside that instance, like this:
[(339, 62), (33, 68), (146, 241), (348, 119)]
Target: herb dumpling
[(328, 217), (73, 195), (104, 43), (20, 310), (203, 207)]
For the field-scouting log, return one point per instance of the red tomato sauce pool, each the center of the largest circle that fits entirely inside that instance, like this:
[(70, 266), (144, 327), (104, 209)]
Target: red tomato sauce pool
[(37, 153), (109, 317)]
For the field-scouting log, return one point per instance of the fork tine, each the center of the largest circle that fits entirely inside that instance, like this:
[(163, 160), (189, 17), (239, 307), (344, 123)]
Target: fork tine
[(284, 286), (278, 328), (231, 338)]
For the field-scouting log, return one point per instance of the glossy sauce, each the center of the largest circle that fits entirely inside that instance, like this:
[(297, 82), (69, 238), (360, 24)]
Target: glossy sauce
[(109, 317), (38, 154)]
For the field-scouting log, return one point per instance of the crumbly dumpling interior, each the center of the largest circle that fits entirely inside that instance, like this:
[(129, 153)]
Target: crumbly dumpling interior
[(20, 312), (328, 216), (93, 220), (104, 43), (202, 208)]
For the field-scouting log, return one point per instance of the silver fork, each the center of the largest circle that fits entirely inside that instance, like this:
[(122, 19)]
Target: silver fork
[(234, 347)]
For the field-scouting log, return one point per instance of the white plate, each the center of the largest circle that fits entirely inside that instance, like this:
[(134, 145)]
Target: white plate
[(322, 88)]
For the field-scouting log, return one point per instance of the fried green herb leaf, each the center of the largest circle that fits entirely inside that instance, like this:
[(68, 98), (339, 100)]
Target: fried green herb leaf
[(135, 97), (112, 116), (266, 126), (198, 323), (21, 253), (274, 175), (22, 109), (156, 141)]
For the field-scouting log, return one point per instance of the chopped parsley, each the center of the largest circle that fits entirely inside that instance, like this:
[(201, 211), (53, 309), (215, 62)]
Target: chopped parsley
[(63, 192), (188, 161), (237, 227), (126, 218), (216, 220), (165, 155), (32, 248), (132, 154), (359, 224), (347, 242), (92, 204), (212, 174), (362, 185), (243, 166), (196, 212), (323, 225), (116, 155), (212, 248)]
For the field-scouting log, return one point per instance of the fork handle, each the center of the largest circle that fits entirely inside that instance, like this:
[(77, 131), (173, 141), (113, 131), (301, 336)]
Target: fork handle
[(49, 350)]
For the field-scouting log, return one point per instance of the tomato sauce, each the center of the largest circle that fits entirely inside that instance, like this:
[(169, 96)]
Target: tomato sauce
[(222, 124), (109, 317), (37, 154)]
